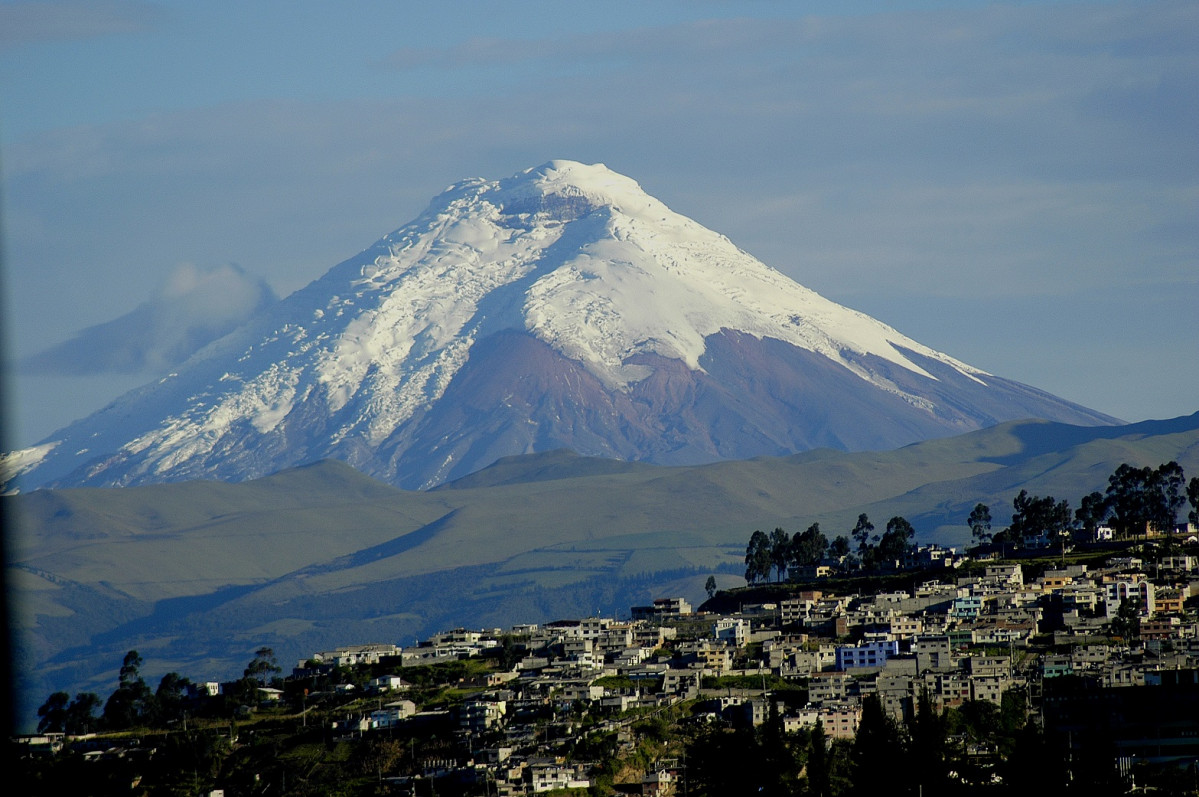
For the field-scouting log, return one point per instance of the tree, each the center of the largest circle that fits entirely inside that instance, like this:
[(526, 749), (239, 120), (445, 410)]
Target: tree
[(839, 547), (74, 717), (895, 545), (1193, 499), (757, 557), (929, 740), (780, 551), (132, 701), (1013, 711), (1060, 521), (1032, 766), (171, 697), (819, 766), (861, 534), (81, 714), (1128, 499), (809, 546), (53, 713), (723, 762), (1091, 512), (980, 524), (1146, 498), (710, 586), (977, 720), (1034, 515), (259, 673), (878, 750), (263, 667), (509, 654), (1166, 496), (1020, 526), (1127, 622), (901, 527), (778, 761)]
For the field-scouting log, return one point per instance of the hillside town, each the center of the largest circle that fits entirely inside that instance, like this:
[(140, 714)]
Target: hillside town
[(1102, 658)]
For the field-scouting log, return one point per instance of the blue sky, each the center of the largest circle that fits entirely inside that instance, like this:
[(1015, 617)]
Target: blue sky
[(1014, 184)]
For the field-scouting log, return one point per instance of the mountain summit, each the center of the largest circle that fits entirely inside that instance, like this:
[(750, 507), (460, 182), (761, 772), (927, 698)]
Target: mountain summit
[(560, 308)]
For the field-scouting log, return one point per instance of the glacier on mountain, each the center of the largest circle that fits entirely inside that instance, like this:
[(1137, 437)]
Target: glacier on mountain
[(574, 256)]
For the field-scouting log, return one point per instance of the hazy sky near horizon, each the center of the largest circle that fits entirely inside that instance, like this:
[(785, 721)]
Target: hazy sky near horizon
[(1014, 184)]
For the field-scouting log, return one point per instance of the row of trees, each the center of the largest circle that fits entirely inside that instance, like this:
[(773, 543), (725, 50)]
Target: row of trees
[(1137, 501), (134, 704), (779, 552)]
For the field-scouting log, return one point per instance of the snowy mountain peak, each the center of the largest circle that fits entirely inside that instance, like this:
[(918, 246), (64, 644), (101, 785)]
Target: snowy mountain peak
[(558, 190), (632, 276), (560, 307), (564, 179)]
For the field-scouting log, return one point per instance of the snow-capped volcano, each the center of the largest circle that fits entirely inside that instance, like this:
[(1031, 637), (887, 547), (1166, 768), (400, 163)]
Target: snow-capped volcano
[(561, 307)]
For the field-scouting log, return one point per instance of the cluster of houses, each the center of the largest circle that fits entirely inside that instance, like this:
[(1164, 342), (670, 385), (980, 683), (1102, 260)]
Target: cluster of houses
[(958, 638), (969, 639)]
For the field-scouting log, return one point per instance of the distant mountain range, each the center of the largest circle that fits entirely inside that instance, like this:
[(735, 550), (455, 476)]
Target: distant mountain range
[(197, 575), (559, 308)]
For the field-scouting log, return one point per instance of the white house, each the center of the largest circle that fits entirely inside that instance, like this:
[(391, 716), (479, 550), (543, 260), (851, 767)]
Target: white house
[(734, 631), (388, 683)]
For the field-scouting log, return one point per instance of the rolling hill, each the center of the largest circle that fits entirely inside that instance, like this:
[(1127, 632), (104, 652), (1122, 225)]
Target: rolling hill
[(197, 575)]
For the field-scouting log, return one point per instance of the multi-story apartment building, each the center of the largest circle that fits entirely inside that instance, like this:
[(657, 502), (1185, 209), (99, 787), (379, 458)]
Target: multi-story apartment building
[(1137, 590), (869, 654), (934, 653)]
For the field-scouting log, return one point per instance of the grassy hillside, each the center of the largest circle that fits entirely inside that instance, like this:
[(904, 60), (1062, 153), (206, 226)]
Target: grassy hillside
[(197, 575)]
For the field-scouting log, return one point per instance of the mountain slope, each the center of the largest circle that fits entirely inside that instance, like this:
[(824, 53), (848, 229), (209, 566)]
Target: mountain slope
[(562, 307), (197, 575)]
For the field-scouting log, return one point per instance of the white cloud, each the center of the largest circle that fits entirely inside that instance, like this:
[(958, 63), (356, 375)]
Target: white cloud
[(191, 309)]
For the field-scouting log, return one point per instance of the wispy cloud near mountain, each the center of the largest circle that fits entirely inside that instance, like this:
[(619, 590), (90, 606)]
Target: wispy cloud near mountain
[(191, 309)]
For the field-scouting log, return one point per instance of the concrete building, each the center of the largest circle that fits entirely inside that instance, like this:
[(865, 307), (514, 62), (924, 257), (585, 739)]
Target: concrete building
[(869, 654)]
